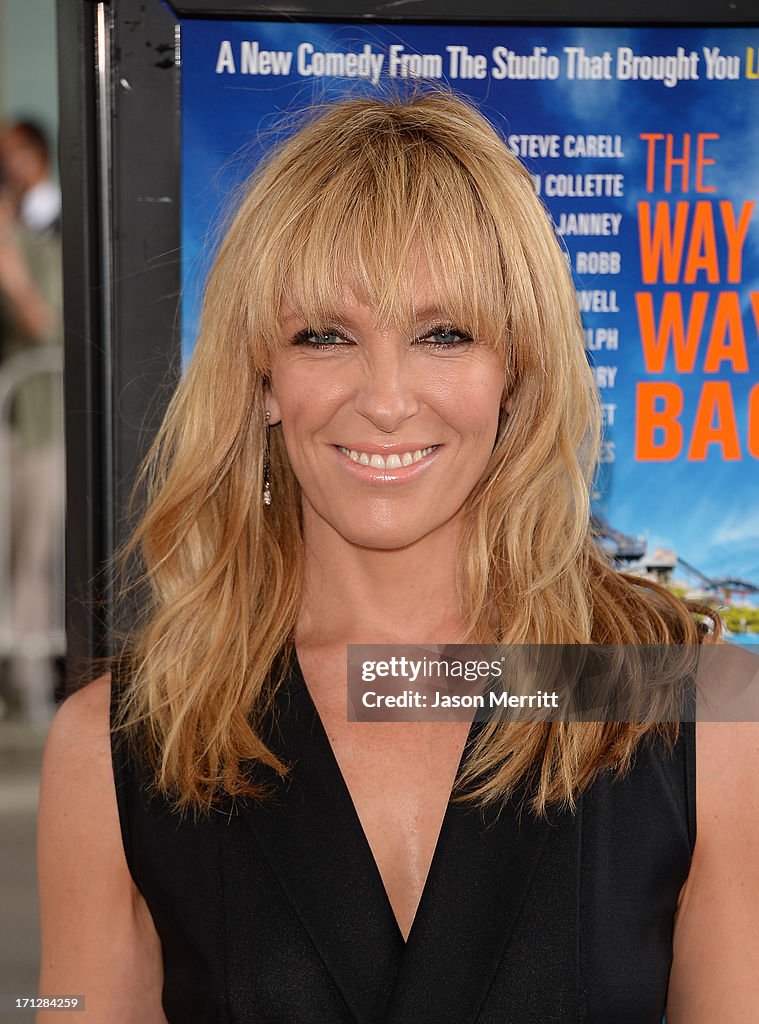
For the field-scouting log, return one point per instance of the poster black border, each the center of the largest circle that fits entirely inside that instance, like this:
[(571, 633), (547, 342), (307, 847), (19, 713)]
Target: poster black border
[(584, 12)]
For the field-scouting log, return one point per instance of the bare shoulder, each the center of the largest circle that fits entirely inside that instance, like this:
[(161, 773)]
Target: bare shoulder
[(81, 728), (727, 746), (77, 773), (98, 938), (715, 972), (727, 795), (726, 753)]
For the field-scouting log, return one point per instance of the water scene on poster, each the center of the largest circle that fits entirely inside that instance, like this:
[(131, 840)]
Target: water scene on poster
[(644, 146)]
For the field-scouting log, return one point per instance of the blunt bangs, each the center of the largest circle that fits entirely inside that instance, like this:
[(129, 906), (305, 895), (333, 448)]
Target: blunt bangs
[(357, 214), (397, 222)]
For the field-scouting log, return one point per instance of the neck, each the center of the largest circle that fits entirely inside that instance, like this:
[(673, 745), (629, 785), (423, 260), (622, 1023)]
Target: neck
[(367, 595)]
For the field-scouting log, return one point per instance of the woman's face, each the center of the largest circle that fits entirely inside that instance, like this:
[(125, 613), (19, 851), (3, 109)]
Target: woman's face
[(386, 433)]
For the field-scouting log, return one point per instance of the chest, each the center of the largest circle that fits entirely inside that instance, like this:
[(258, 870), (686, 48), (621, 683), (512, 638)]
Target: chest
[(278, 913), (399, 776)]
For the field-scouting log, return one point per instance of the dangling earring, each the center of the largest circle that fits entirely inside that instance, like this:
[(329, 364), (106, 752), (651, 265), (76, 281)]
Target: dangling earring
[(267, 462)]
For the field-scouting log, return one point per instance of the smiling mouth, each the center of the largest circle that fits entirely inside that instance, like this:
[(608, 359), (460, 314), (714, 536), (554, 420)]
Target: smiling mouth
[(395, 460)]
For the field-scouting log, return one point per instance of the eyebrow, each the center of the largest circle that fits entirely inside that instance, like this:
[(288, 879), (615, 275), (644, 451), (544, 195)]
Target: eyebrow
[(427, 314)]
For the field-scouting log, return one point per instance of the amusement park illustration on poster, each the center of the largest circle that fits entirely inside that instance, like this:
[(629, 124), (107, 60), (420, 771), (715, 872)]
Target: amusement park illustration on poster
[(644, 146)]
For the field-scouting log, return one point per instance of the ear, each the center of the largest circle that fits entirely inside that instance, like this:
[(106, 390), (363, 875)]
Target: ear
[(510, 391), (272, 405)]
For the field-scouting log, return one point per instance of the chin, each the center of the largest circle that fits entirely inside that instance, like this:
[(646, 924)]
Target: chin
[(392, 537)]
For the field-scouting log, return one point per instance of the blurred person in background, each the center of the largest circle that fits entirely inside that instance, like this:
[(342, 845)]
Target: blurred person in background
[(33, 490)]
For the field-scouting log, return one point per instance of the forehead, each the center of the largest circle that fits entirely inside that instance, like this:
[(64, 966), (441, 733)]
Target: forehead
[(403, 297), (398, 259), (352, 308)]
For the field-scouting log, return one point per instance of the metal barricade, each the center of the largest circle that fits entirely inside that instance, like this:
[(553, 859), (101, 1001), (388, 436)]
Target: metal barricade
[(15, 373)]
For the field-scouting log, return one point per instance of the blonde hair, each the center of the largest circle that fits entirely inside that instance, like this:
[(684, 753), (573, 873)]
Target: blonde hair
[(355, 194)]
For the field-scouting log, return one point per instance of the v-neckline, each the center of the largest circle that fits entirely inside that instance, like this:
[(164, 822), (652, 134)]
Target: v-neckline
[(297, 677), (480, 875)]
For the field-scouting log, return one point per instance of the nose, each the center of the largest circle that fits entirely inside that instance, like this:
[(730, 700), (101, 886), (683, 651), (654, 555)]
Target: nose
[(387, 392)]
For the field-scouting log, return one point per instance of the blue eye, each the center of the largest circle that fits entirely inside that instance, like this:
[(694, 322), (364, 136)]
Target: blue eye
[(445, 337), (437, 338), (318, 339)]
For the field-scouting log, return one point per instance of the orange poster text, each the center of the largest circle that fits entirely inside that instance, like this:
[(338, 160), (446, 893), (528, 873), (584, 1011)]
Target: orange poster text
[(660, 435), (702, 327), (679, 241)]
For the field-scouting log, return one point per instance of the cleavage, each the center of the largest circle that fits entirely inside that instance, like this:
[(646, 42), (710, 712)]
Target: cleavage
[(399, 777)]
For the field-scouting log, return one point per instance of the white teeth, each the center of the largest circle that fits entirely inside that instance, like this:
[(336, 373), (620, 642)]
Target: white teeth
[(393, 461)]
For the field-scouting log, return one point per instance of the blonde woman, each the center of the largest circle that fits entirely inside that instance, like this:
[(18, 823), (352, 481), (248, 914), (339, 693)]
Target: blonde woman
[(386, 434)]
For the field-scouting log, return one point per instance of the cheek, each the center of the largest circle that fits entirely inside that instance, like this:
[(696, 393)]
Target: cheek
[(306, 399), (294, 391), (489, 419), (480, 399)]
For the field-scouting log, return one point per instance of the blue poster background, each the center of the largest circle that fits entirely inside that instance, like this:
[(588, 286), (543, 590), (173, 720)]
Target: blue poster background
[(691, 514)]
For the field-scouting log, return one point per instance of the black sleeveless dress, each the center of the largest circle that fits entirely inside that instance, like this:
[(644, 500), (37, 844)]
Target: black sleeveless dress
[(275, 912)]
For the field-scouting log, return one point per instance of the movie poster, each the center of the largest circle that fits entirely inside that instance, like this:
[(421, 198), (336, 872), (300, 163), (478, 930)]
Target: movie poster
[(644, 146)]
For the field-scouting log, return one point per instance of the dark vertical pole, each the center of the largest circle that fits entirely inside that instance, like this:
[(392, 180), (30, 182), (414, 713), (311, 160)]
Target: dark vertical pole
[(145, 147), (119, 157), (83, 287)]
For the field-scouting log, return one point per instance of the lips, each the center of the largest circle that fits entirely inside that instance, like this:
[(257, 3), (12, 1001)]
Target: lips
[(391, 460)]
